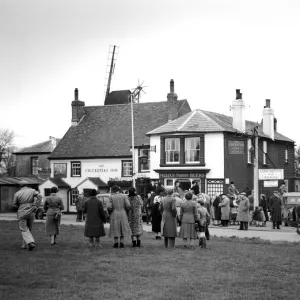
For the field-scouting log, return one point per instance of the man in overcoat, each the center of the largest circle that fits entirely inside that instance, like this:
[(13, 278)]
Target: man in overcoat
[(225, 210), (243, 215), (275, 208), (79, 202)]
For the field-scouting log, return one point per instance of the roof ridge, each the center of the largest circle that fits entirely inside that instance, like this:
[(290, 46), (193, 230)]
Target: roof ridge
[(187, 120), (210, 119)]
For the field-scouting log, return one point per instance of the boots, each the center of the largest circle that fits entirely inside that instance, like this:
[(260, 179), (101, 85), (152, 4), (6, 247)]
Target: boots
[(138, 243), (134, 243)]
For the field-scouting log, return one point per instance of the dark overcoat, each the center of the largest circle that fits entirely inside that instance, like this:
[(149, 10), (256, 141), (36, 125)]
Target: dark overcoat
[(169, 212), (217, 208), (95, 218), (156, 217), (275, 208)]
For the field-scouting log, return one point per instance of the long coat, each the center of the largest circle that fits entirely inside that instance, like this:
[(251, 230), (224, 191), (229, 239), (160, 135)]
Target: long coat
[(156, 215), (135, 214), (225, 208), (217, 208), (275, 207), (243, 212), (118, 206), (95, 218), (169, 212)]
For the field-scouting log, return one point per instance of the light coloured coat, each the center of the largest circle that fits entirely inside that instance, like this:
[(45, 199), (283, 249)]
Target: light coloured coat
[(225, 208), (243, 212)]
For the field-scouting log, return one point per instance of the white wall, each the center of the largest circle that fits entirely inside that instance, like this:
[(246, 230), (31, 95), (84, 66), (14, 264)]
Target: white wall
[(214, 154), (154, 156)]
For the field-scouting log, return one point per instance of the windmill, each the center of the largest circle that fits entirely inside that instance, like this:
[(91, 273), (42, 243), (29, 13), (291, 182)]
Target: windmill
[(136, 92)]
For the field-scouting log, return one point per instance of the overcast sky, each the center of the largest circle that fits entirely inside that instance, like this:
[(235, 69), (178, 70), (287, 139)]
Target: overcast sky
[(210, 48)]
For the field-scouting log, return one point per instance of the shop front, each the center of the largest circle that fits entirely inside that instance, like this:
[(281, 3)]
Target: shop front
[(168, 177)]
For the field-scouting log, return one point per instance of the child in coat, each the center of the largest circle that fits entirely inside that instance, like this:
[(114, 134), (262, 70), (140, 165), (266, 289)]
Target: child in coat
[(257, 216)]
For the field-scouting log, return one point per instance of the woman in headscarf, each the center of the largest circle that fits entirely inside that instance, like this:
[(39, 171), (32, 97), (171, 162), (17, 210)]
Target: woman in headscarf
[(118, 206), (135, 217), (53, 206), (95, 219)]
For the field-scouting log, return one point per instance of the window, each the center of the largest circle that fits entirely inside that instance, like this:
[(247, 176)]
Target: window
[(34, 165), (47, 192), (75, 169), (126, 168), (192, 150), (144, 160), (172, 148), (250, 149), (265, 152), (74, 195), (286, 154)]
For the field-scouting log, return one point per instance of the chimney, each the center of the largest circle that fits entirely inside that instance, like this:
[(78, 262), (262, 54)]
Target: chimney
[(275, 124), (172, 103), (53, 142), (238, 107), (268, 120), (77, 109)]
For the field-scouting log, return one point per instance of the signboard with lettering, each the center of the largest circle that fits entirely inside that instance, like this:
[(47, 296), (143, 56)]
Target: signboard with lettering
[(236, 147), (60, 170), (270, 174), (182, 175), (270, 183)]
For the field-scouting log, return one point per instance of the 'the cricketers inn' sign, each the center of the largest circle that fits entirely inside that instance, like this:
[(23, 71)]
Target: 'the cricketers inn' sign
[(236, 147)]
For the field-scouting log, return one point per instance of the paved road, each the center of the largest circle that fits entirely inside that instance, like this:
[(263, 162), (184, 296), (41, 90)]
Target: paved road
[(287, 234)]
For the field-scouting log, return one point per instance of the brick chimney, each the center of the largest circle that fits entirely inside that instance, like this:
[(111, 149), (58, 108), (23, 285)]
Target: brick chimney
[(77, 109), (238, 107), (268, 120), (172, 103)]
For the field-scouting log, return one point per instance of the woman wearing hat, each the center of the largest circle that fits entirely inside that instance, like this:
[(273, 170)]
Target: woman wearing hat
[(53, 206), (243, 215), (225, 210)]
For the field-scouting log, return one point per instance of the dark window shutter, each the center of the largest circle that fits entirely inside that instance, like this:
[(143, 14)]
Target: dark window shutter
[(182, 151), (162, 151), (202, 150)]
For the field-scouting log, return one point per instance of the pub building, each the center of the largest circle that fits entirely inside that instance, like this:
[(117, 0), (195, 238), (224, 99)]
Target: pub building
[(95, 152), (214, 149), (171, 142)]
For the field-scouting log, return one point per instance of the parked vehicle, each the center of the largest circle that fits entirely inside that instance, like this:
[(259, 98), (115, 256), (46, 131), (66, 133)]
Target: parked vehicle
[(289, 201)]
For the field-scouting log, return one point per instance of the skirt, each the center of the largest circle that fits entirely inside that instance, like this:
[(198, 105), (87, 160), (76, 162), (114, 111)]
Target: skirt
[(187, 231), (52, 225)]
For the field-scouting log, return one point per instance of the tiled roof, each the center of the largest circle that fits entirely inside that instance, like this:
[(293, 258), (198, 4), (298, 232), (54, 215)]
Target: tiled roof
[(59, 182), (98, 182), (46, 147), (105, 131), (16, 180), (205, 121)]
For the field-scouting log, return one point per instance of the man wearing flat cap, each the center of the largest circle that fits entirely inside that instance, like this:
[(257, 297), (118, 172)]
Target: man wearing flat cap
[(25, 201)]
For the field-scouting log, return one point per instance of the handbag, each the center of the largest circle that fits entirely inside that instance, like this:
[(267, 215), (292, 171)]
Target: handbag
[(57, 216)]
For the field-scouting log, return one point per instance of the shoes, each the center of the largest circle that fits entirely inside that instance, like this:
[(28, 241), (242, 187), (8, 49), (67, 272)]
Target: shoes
[(138, 243), (116, 245), (133, 244), (121, 245), (24, 247), (31, 246)]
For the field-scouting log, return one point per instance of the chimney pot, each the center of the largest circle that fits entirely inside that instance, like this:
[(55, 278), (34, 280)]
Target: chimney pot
[(238, 94), (76, 94), (268, 103), (172, 86)]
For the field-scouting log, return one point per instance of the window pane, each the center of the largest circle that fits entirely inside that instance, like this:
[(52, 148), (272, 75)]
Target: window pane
[(172, 150), (192, 149)]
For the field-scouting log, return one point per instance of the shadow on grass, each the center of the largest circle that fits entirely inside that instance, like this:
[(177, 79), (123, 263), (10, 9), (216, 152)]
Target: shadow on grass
[(230, 268)]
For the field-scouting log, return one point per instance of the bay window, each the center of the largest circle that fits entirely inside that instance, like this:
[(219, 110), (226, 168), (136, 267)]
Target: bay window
[(192, 150)]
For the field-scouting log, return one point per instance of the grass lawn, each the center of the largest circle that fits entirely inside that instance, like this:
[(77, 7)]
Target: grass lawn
[(229, 268)]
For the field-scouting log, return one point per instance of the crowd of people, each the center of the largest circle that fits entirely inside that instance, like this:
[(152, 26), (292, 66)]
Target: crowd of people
[(166, 209)]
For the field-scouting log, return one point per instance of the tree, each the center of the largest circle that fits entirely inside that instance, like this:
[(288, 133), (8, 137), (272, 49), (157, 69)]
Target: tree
[(297, 161), (7, 158)]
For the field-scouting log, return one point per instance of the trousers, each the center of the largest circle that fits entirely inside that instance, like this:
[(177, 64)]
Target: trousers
[(25, 225)]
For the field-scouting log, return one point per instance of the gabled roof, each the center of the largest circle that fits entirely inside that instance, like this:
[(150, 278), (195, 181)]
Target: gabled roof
[(205, 121), (59, 182), (16, 180), (96, 180), (105, 131), (46, 147)]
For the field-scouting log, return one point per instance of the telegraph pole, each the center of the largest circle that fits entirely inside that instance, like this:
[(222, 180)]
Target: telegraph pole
[(132, 140), (255, 175)]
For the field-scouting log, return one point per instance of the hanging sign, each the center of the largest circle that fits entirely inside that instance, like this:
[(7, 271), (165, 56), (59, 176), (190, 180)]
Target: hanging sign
[(270, 183), (270, 174)]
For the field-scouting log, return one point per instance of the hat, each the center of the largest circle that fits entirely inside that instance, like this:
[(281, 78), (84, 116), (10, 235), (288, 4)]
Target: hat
[(243, 193), (23, 183)]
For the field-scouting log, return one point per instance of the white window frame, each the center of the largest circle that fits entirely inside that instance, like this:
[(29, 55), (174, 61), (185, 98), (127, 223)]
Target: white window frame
[(265, 149), (127, 168), (190, 150), (75, 166), (34, 165), (170, 153), (286, 155), (74, 195), (249, 144)]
